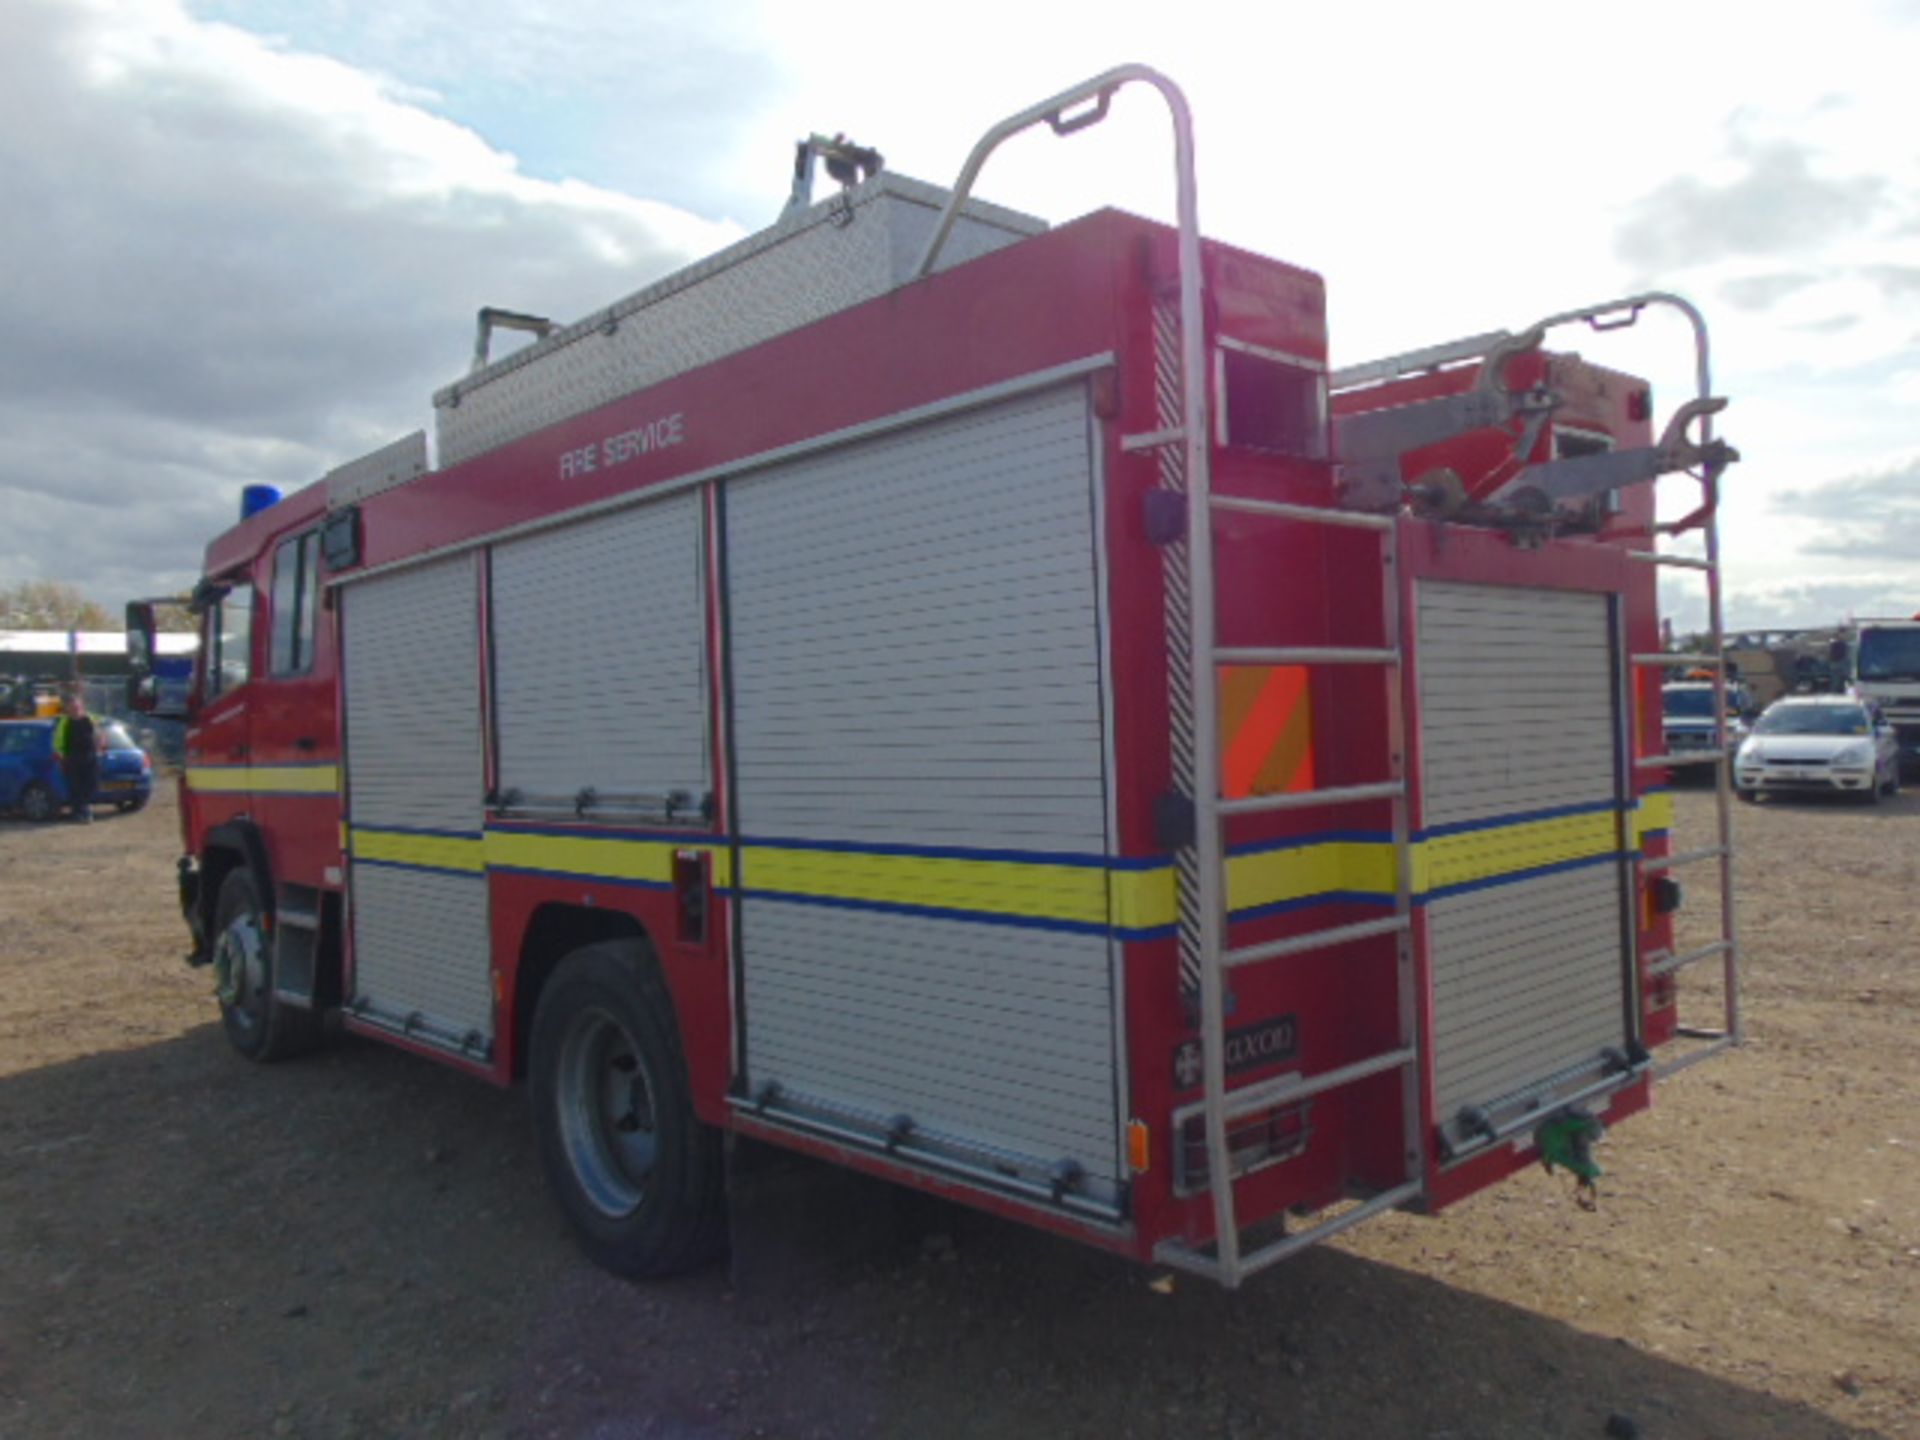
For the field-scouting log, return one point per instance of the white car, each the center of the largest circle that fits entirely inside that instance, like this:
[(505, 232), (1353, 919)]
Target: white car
[(1818, 744)]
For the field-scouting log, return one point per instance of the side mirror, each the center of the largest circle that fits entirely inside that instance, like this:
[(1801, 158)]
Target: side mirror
[(140, 651)]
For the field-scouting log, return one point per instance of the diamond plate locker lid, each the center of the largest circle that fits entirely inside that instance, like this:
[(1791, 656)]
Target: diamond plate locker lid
[(405, 459), (850, 248)]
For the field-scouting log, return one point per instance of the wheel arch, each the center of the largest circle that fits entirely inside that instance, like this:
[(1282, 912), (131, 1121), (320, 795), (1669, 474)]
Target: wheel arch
[(554, 931), (225, 848)]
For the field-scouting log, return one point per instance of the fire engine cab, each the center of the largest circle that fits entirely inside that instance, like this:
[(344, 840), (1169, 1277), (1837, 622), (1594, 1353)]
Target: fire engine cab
[(986, 705)]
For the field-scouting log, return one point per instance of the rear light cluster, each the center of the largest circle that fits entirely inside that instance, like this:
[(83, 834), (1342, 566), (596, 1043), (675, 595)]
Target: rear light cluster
[(1266, 1137)]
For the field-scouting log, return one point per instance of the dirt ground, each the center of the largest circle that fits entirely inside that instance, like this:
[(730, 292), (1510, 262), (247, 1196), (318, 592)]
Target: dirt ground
[(359, 1244)]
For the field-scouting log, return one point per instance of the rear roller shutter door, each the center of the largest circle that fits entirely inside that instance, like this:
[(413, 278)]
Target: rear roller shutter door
[(1518, 697)]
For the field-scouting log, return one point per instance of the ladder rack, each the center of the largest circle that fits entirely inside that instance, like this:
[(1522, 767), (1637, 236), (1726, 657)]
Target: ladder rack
[(1613, 315), (1205, 956), (1180, 442)]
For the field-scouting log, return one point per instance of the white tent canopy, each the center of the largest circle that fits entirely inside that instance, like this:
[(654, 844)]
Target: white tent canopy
[(87, 642)]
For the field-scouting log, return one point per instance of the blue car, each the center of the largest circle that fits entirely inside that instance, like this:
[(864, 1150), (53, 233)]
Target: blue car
[(31, 783)]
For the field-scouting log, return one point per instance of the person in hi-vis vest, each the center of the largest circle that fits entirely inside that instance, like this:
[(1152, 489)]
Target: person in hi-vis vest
[(76, 743)]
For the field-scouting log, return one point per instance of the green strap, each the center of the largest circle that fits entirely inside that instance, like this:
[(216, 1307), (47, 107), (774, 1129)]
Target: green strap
[(1567, 1141)]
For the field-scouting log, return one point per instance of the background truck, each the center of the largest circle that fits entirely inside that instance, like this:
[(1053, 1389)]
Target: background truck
[(1687, 718), (1886, 670), (980, 704)]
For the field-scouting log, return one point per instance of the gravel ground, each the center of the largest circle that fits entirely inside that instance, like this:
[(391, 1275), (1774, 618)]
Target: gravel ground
[(360, 1245)]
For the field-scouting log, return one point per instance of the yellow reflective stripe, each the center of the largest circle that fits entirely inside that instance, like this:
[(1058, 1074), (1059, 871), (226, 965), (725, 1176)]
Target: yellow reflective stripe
[(1655, 813), (1461, 859), (298, 779), (218, 779), (603, 857), (1129, 899), (1144, 899), (1030, 888), (1298, 872), (432, 852), (284, 779)]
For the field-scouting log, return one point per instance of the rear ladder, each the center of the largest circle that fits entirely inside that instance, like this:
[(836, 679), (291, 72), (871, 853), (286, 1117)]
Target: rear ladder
[(1706, 460), (1182, 444), (1205, 956)]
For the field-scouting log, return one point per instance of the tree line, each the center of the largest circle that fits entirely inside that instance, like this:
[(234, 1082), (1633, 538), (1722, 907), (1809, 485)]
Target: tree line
[(56, 605)]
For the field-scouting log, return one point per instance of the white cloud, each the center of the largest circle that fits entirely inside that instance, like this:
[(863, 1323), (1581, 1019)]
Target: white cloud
[(246, 263), (253, 256)]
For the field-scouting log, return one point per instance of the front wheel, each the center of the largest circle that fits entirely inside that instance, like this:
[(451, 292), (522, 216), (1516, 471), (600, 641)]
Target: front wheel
[(1745, 793), (258, 1025), (639, 1177)]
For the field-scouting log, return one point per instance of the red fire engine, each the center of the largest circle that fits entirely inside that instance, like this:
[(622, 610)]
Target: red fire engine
[(985, 705)]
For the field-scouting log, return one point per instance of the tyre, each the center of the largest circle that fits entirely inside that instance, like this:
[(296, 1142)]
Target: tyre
[(640, 1179), (1742, 792), (36, 803), (258, 1026), (127, 807)]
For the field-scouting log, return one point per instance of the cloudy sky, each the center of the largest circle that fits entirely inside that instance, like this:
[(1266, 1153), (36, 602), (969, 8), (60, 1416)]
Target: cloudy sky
[(244, 239)]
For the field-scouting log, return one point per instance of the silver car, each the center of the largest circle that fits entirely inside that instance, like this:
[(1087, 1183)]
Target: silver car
[(1818, 744)]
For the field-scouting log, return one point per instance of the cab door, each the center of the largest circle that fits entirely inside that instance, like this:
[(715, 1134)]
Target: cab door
[(219, 782), (294, 729)]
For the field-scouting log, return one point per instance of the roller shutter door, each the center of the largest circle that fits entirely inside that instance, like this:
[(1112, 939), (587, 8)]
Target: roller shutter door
[(917, 672), (599, 644), (1518, 697), (415, 777)]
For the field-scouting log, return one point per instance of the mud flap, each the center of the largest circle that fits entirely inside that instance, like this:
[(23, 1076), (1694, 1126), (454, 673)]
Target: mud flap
[(189, 881)]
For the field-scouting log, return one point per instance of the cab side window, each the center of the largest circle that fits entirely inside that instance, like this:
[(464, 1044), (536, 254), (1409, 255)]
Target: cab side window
[(296, 595), (230, 641)]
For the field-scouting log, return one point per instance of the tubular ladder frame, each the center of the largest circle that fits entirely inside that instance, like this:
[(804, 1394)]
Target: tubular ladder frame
[(1624, 312), (1610, 315), (1209, 898), (1229, 1264), (1193, 435)]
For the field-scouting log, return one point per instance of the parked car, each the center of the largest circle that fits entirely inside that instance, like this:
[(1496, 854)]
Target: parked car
[(31, 782), (1819, 744)]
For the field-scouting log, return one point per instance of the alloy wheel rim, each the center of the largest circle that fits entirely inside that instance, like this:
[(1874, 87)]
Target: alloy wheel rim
[(605, 1100)]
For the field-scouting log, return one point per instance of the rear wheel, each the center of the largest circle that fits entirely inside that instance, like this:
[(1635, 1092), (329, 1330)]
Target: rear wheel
[(257, 1025), (36, 803), (639, 1177)]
